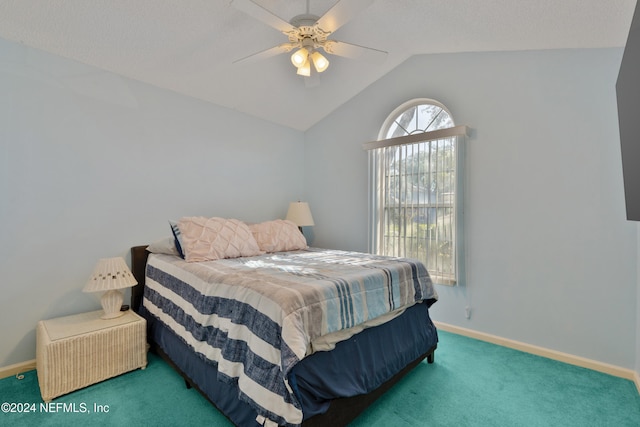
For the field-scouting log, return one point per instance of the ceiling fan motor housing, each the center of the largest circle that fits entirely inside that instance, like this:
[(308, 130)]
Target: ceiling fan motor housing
[(307, 32)]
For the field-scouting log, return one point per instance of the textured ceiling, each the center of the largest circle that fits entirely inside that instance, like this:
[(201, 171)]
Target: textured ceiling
[(189, 46)]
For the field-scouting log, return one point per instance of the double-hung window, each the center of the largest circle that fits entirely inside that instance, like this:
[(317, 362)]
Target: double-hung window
[(415, 188)]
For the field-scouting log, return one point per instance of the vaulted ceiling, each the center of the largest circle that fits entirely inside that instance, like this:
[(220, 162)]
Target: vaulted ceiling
[(189, 46)]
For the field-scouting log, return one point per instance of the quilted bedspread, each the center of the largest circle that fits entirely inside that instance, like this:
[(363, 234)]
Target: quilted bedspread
[(255, 316)]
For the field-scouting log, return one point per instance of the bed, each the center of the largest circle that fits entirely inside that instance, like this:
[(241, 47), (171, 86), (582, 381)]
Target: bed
[(266, 347)]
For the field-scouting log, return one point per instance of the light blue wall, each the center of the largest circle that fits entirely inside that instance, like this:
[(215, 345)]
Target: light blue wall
[(551, 258), (91, 164)]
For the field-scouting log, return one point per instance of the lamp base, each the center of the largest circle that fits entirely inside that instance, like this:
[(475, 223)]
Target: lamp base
[(111, 302)]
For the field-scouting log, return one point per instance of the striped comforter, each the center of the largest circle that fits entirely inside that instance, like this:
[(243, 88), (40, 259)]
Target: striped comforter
[(256, 316)]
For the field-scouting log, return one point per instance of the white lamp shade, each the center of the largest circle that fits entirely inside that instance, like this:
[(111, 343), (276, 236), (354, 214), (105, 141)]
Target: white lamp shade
[(304, 69), (319, 61), (110, 275), (299, 57), (300, 214)]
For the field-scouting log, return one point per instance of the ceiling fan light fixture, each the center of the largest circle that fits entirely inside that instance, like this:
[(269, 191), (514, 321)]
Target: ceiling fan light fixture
[(299, 57), (319, 61), (304, 69), (308, 33)]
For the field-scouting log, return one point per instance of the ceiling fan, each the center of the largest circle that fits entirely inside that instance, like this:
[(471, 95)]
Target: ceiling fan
[(309, 33)]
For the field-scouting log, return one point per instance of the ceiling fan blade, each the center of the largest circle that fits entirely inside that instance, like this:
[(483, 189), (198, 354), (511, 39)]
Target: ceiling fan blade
[(273, 51), (341, 13), (261, 14), (354, 51)]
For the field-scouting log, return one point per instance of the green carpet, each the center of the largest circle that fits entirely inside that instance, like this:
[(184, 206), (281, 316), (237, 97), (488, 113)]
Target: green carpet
[(472, 383)]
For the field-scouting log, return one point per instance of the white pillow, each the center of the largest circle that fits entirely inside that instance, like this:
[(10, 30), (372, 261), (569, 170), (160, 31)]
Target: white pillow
[(206, 239), (164, 246)]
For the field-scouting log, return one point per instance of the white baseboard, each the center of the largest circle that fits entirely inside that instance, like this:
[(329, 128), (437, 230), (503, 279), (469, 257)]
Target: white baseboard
[(18, 368), (545, 352)]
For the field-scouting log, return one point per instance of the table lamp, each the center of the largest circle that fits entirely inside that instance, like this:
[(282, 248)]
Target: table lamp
[(300, 214), (110, 275)]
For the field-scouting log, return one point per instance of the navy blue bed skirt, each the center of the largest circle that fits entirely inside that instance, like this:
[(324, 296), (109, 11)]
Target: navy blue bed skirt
[(356, 366)]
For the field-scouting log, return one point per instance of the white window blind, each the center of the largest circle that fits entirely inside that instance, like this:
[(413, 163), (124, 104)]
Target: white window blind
[(415, 188)]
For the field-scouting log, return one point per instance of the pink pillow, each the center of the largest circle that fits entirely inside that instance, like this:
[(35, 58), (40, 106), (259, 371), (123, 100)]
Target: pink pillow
[(206, 239), (278, 236)]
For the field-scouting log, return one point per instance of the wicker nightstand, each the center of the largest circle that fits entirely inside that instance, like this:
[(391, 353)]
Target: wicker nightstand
[(76, 351)]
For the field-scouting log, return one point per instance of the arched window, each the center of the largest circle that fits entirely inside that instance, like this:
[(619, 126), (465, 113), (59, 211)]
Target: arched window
[(415, 188)]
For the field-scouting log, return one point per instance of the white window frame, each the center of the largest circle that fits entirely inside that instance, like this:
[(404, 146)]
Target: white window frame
[(418, 139)]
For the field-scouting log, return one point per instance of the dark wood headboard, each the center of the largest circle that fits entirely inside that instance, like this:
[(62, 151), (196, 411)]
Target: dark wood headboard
[(139, 255)]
